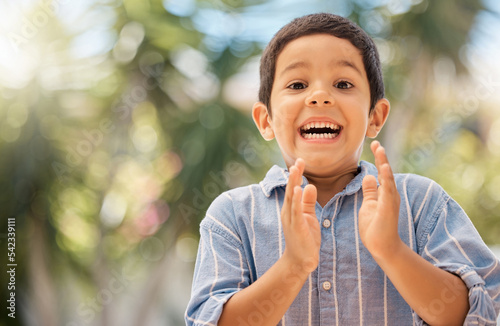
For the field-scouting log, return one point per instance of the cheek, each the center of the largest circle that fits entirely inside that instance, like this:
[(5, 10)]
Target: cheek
[(284, 115), (290, 110), (358, 109)]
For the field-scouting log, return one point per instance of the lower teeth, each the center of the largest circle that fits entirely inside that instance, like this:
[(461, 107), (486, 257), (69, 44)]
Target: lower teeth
[(320, 136)]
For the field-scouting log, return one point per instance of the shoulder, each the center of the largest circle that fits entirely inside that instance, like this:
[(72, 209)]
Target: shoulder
[(227, 214), (235, 196), (233, 211), (413, 179), (419, 187), (425, 203), (421, 197), (412, 187), (223, 205), (276, 177)]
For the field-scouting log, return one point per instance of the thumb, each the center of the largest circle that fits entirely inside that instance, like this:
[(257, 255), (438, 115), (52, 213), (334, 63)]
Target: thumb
[(309, 197), (370, 191)]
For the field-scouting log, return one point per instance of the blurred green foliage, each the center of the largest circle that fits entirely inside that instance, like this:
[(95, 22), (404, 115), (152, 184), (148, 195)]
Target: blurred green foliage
[(108, 159)]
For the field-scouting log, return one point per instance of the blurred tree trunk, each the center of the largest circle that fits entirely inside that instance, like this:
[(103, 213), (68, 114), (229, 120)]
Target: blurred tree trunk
[(42, 287)]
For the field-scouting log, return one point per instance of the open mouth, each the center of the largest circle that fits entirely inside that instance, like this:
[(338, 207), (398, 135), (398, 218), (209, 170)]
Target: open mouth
[(320, 130)]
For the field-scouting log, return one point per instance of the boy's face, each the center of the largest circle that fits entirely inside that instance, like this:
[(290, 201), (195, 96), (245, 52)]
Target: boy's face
[(320, 104)]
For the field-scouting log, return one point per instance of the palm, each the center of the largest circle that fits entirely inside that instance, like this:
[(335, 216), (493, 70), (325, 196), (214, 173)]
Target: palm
[(379, 212), (300, 225)]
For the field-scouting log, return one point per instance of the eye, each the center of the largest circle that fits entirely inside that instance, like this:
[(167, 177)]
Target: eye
[(297, 85), (344, 84)]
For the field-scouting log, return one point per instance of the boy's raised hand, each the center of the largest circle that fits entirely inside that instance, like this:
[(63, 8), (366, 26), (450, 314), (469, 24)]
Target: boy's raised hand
[(300, 225), (379, 212)]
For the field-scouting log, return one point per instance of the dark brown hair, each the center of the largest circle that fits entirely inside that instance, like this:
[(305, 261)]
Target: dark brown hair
[(322, 23)]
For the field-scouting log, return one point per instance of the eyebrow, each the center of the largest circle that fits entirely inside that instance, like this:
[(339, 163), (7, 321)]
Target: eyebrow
[(295, 65), (336, 63), (347, 63)]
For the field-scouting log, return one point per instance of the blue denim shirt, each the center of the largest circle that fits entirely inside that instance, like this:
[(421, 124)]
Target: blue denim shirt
[(241, 238)]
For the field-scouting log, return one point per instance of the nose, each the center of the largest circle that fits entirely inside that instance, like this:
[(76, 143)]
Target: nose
[(319, 97)]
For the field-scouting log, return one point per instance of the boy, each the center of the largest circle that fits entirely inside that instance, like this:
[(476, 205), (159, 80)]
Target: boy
[(331, 240)]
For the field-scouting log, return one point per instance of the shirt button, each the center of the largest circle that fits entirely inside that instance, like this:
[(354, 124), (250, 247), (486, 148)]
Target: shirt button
[(327, 285), (326, 223)]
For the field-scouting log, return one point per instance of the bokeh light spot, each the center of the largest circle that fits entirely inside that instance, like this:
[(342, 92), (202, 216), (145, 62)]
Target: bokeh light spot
[(194, 152), (186, 247), (113, 209), (472, 178), (145, 138)]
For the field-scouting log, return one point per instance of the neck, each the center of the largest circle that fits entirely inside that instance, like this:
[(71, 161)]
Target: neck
[(329, 186)]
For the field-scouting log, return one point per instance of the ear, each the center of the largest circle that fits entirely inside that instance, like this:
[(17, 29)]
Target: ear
[(262, 120), (378, 117)]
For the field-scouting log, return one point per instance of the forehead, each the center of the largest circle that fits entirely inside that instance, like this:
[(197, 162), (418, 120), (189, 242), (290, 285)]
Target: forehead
[(319, 47)]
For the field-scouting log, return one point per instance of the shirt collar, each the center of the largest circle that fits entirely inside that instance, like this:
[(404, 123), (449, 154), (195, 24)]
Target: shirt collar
[(278, 177)]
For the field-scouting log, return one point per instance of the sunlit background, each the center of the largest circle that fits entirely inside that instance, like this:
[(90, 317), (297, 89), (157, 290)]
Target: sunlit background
[(120, 121)]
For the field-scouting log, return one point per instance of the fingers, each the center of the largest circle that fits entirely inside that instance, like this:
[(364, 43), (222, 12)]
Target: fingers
[(370, 191), (303, 204), (389, 194), (374, 146), (294, 180), (381, 162), (296, 206), (379, 153), (300, 164), (309, 198), (388, 189)]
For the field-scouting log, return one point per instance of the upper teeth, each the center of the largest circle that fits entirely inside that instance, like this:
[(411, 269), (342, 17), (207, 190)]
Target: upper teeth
[(320, 125)]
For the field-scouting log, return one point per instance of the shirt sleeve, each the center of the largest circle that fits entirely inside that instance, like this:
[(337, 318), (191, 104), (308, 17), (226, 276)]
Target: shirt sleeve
[(453, 244), (220, 269)]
